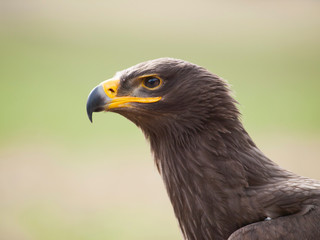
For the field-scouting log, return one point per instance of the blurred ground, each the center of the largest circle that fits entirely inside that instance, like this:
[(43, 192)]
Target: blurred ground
[(64, 178)]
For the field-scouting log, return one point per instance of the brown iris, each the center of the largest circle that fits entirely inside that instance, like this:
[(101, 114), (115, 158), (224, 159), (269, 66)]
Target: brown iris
[(151, 82)]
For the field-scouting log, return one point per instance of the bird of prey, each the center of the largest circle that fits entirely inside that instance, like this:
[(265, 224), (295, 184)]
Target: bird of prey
[(220, 184)]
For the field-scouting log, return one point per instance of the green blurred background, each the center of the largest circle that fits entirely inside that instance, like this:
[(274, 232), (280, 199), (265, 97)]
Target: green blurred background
[(64, 178)]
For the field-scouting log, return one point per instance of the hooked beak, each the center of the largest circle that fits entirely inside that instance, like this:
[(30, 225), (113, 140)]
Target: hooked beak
[(97, 101), (104, 97)]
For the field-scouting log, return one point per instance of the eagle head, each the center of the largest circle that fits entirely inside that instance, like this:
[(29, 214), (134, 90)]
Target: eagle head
[(165, 92)]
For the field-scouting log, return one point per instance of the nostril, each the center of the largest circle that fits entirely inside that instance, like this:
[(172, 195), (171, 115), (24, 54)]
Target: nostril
[(111, 90)]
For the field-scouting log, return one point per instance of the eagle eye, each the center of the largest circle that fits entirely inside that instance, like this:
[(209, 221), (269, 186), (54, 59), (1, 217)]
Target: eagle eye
[(151, 82)]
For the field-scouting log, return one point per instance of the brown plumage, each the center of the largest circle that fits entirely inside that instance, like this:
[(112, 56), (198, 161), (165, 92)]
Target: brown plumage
[(220, 184)]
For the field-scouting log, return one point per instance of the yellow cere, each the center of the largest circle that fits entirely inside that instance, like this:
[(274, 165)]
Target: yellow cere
[(111, 86)]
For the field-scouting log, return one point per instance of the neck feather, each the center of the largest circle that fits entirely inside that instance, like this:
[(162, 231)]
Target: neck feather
[(205, 172)]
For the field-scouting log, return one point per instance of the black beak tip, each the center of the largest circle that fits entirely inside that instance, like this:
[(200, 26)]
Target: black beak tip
[(89, 110), (96, 101), (89, 115)]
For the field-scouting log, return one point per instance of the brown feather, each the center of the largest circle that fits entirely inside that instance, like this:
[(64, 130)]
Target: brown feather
[(218, 181)]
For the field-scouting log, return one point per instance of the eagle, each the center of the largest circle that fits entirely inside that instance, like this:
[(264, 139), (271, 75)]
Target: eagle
[(220, 184)]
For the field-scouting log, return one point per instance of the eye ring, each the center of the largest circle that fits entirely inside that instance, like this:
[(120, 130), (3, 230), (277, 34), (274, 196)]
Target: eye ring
[(151, 82)]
